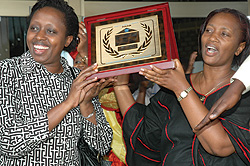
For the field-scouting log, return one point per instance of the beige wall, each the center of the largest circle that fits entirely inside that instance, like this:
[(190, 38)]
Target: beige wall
[(88, 8), (15, 7), (177, 9)]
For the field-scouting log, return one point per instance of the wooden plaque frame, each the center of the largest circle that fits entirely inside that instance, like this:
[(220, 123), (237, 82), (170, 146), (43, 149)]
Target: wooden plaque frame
[(125, 41)]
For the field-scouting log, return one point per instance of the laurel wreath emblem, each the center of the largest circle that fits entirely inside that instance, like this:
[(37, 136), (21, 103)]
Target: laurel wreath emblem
[(140, 50)]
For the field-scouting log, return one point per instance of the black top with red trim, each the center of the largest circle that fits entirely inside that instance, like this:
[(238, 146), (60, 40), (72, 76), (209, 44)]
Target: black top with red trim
[(159, 134)]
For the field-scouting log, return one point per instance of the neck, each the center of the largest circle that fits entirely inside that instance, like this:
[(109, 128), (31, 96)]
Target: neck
[(55, 69), (207, 82), (214, 73), (215, 76)]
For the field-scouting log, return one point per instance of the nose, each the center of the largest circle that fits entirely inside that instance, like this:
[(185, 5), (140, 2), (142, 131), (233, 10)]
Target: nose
[(40, 35), (213, 37)]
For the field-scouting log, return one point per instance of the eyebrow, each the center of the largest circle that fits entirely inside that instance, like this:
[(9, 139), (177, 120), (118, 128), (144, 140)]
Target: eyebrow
[(225, 28)]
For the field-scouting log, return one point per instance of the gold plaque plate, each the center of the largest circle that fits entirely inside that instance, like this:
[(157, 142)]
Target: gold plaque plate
[(128, 41)]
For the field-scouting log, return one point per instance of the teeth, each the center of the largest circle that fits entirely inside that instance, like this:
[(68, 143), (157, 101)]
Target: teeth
[(211, 49), (39, 47)]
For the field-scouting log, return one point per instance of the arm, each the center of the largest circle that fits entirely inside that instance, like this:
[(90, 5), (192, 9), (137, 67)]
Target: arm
[(123, 94), (82, 47), (98, 135), (87, 103), (225, 102), (77, 95), (142, 92), (18, 132), (21, 129), (191, 62), (212, 137), (241, 74), (135, 126), (96, 130)]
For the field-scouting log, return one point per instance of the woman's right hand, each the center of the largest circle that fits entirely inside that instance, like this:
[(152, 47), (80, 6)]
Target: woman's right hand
[(81, 86), (173, 79)]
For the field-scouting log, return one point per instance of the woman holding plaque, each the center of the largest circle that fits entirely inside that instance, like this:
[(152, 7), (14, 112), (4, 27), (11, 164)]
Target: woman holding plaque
[(162, 132)]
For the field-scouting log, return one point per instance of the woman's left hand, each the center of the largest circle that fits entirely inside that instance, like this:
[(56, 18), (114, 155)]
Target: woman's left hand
[(86, 105), (96, 88), (173, 79)]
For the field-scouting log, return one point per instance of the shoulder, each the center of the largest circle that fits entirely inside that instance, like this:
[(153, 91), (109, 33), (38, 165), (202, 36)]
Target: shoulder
[(10, 70), (20, 64), (10, 64)]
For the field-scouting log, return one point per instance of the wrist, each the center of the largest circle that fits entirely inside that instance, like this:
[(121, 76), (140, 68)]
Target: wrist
[(184, 93), (122, 84), (237, 84), (68, 104), (121, 87), (90, 115), (86, 108), (142, 89)]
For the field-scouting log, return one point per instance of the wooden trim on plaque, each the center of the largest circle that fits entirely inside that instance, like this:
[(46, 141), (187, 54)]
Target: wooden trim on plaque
[(123, 42)]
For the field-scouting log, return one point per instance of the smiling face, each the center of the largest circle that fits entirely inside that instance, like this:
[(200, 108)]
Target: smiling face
[(46, 37), (221, 40)]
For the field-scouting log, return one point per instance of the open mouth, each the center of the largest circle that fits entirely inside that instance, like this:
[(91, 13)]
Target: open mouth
[(211, 49), (39, 49)]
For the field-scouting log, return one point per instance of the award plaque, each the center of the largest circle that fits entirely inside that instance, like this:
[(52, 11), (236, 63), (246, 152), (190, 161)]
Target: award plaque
[(123, 42)]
